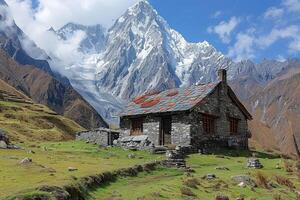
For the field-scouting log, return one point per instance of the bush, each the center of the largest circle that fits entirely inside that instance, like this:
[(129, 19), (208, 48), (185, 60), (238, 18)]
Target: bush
[(187, 191), (191, 182), (281, 180), (262, 180), (288, 166)]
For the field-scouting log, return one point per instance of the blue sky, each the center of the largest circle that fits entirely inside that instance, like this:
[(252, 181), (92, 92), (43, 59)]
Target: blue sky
[(261, 20), (241, 29)]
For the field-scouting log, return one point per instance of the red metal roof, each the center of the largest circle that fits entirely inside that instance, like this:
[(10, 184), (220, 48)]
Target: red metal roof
[(179, 99)]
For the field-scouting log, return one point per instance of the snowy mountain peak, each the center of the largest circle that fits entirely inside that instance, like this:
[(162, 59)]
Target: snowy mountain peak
[(94, 40)]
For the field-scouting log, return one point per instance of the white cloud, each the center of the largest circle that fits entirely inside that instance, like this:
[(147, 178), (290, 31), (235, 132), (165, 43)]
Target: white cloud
[(217, 14), (274, 12), (292, 5), (243, 47), (56, 13), (290, 32), (224, 29)]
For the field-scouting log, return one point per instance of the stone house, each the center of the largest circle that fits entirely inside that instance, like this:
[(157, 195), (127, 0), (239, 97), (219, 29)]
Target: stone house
[(201, 116)]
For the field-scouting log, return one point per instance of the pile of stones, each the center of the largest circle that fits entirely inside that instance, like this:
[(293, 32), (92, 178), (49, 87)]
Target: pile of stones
[(254, 163), (175, 158), (140, 142)]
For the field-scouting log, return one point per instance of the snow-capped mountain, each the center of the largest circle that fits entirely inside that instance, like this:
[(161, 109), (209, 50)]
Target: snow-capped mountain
[(143, 53), (16, 44), (140, 52), (94, 39)]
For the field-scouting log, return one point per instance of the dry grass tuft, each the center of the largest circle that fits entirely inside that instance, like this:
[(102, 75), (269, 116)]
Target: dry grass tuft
[(288, 166), (281, 180), (262, 180), (187, 191), (191, 182)]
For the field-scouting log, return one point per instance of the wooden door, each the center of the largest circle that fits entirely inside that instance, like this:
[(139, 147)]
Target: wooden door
[(165, 130)]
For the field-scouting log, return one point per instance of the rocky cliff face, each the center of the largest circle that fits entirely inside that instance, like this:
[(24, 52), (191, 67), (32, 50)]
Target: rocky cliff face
[(45, 89), (143, 53), (38, 81)]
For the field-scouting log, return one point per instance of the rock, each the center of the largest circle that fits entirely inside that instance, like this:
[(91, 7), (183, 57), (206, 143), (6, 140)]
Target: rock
[(26, 161), (245, 179), (242, 184), (131, 155), (12, 146), (32, 152), (3, 136), (222, 168), (3, 145), (71, 169), (210, 176), (222, 197), (278, 166), (240, 198), (254, 163)]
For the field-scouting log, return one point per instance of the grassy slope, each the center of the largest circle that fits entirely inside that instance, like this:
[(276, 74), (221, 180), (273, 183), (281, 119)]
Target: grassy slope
[(34, 122), (25, 121), (166, 183), (51, 162)]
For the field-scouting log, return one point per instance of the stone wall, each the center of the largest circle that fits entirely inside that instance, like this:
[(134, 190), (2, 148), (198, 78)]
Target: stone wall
[(220, 105), (151, 128), (103, 137), (181, 129)]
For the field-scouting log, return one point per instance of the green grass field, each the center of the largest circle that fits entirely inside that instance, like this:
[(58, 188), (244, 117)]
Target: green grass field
[(51, 161), (167, 183)]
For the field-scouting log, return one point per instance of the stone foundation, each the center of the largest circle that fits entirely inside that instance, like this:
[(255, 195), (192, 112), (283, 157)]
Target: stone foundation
[(103, 137)]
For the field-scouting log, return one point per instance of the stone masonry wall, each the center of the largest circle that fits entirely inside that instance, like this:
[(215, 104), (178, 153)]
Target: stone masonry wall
[(219, 104), (98, 136), (151, 128), (181, 129)]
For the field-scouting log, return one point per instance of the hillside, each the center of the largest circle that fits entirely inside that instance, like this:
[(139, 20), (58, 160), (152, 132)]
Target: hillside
[(25, 121), (46, 90), (276, 107)]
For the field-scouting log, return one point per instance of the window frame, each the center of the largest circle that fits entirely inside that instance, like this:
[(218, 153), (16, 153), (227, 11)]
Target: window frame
[(208, 124), (233, 125), (136, 126)]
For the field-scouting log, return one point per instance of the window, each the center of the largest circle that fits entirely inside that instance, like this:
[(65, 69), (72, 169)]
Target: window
[(208, 124), (136, 126), (233, 126)]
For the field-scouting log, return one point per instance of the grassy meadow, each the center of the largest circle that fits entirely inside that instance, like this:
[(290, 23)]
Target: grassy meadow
[(52, 160), (170, 183)]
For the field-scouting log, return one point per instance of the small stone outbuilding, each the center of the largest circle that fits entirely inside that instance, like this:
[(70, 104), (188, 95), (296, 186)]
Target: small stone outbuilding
[(202, 116)]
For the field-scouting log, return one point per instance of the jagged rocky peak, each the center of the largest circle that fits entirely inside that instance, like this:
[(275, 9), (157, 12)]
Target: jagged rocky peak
[(93, 40)]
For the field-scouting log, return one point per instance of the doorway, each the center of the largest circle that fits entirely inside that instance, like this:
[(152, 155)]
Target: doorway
[(165, 130)]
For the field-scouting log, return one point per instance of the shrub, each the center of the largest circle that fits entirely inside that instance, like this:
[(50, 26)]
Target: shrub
[(288, 166), (262, 180), (187, 191), (191, 182), (281, 180)]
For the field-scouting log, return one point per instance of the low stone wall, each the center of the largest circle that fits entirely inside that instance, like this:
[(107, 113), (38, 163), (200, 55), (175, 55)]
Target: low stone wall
[(101, 136), (81, 188), (139, 142)]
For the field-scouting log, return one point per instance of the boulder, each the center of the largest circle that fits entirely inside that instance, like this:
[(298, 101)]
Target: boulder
[(254, 163), (3, 145), (3, 137), (71, 169), (210, 176), (222, 197), (245, 179), (26, 161), (222, 168), (131, 155)]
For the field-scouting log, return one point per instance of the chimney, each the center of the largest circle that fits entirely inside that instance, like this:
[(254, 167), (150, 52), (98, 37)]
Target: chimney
[(222, 73)]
